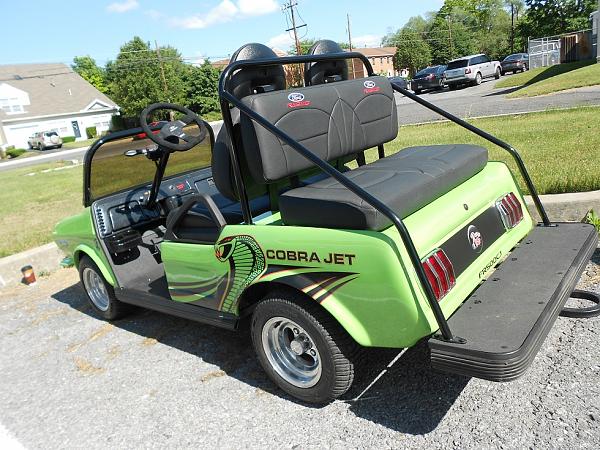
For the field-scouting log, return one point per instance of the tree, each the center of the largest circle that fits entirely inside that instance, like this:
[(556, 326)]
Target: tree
[(136, 78), (515, 7), (201, 88), (412, 51), (87, 68), (554, 17)]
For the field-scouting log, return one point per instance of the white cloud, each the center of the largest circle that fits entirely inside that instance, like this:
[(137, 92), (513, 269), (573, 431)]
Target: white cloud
[(367, 40), (282, 41), (227, 11), (124, 6)]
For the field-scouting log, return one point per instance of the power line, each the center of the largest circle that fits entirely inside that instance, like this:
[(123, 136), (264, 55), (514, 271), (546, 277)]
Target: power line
[(289, 6)]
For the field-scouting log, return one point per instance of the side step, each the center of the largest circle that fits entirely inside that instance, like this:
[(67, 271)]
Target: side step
[(508, 317)]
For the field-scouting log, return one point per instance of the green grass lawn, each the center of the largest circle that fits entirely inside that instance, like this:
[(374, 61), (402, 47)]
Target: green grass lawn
[(561, 150), (78, 144), (546, 80)]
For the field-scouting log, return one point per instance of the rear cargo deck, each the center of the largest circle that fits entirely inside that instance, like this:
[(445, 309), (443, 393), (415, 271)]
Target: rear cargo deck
[(508, 317)]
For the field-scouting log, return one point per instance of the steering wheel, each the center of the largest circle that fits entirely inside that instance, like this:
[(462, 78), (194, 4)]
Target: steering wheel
[(174, 129)]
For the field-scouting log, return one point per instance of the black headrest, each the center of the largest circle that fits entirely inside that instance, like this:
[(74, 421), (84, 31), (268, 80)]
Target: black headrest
[(325, 71), (253, 80)]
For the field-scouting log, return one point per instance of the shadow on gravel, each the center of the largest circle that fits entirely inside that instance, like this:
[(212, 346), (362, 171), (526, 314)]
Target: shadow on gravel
[(410, 397)]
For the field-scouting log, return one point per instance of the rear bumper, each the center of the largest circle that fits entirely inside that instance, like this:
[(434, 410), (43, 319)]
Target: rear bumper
[(508, 317), (459, 80)]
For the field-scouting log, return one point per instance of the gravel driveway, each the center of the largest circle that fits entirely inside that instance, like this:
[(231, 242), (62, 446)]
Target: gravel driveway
[(70, 380)]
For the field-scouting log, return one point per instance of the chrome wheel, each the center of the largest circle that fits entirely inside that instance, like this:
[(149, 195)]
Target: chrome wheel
[(94, 285), (291, 352)]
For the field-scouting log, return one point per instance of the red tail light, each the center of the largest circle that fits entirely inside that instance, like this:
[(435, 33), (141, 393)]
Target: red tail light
[(430, 76), (510, 210), (440, 273), (467, 70)]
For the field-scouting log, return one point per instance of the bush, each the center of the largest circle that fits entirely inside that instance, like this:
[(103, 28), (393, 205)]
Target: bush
[(91, 132), (14, 152), (68, 139)]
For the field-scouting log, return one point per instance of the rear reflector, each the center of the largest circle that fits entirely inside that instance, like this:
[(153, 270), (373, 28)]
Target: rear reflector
[(510, 210), (440, 273)]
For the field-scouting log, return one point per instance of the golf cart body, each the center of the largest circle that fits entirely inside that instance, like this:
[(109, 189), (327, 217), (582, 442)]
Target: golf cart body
[(283, 201)]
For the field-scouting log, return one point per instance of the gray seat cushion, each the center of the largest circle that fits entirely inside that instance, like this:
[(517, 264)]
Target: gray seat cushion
[(405, 181)]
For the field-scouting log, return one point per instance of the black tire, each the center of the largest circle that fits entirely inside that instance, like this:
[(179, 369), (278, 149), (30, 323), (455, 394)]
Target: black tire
[(60, 146), (497, 74), (335, 347), (452, 87), (418, 91), (116, 309), (514, 72), (478, 79), (41, 147)]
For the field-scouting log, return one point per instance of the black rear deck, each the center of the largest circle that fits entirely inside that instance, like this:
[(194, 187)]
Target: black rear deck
[(508, 317)]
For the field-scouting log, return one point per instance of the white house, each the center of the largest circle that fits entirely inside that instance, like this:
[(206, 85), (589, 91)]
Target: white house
[(49, 97)]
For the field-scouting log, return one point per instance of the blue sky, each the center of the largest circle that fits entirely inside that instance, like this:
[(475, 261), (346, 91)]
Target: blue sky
[(44, 31)]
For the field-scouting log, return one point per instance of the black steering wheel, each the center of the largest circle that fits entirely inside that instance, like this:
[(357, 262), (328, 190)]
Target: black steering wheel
[(165, 137)]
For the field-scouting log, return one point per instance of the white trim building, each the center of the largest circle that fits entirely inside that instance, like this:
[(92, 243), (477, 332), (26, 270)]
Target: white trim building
[(49, 97)]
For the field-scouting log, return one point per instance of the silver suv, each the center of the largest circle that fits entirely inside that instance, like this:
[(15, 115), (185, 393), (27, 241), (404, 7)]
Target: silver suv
[(471, 70), (45, 139)]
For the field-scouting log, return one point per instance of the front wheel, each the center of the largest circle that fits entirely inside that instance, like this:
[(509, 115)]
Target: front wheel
[(303, 350), (418, 91), (101, 295)]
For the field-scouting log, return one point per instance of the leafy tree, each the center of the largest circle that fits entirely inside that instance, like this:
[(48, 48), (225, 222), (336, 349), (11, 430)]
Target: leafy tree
[(201, 88), (412, 51), (136, 78), (554, 17), (87, 68)]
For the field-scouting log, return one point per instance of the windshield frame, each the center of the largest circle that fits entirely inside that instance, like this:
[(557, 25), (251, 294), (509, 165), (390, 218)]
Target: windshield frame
[(89, 157)]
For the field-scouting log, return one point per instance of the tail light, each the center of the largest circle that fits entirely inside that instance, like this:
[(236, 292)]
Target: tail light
[(467, 70), (510, 210), (440, 273), (430, 76)]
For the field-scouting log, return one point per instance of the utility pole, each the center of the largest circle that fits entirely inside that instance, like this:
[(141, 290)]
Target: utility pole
[(162, 76), (512, 27), (449, 19), (291, 5), (350, 43)]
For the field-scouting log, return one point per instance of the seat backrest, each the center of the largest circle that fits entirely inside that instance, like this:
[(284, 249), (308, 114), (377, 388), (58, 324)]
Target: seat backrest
[(320, 72), (333, 120)]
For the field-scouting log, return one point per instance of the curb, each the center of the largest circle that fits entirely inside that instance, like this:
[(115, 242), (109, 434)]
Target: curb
[(560, 208), (46, 258), (571, 207)]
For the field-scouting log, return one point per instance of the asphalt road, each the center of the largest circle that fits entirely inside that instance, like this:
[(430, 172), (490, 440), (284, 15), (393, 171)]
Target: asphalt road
[(485, 100), (475, 101), (70, 380)]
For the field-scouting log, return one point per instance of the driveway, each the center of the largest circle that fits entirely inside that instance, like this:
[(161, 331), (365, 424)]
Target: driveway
[(485, 100), (70, 380)]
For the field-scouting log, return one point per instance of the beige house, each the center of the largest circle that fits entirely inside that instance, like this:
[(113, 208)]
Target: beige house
[(49, 97), (381, 58)]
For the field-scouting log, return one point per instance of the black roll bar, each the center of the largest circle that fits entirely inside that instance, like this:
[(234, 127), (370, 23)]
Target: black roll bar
[(227, 99)]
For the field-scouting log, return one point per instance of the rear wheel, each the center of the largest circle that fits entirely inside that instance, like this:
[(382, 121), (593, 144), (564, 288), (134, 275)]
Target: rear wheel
[(497, 75), (41, 147), (478, 79), (303, 350), (418, 91), (101, 295)]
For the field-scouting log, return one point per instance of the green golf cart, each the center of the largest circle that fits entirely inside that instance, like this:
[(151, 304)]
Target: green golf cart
[(279, 221)]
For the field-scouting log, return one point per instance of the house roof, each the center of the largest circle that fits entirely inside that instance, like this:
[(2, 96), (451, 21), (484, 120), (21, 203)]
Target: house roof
[(371, 52), (53, 89)]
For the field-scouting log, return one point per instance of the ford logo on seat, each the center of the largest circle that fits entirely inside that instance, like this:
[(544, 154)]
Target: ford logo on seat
[(296, 97), (369, 84)]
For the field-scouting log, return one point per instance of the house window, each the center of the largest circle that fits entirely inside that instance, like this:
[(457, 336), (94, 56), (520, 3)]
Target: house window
[(11, 105)]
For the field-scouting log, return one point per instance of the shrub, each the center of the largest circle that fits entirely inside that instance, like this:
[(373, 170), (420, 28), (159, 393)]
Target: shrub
[(14, 152), (593, 219), (91, 132), (68, 139)]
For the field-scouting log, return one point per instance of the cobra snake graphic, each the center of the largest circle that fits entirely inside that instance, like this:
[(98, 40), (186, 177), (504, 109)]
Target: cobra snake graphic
[(246, 263)]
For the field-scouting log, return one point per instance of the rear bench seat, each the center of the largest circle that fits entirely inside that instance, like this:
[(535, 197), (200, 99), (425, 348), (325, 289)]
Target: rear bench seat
[(341, 119)]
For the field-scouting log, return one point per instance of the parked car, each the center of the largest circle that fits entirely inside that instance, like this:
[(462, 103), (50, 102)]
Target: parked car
[(158, 124), (471, 70), (400, 81), (517, 62), (43, 140), (429, 78)]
